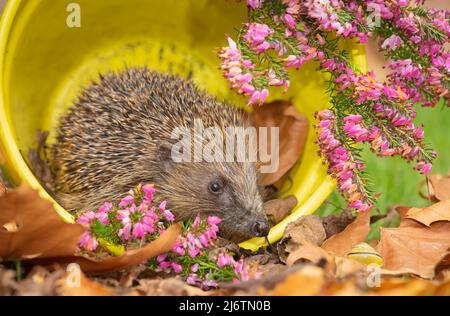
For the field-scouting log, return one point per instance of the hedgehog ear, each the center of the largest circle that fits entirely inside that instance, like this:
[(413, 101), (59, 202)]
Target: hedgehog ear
[(164, 155)]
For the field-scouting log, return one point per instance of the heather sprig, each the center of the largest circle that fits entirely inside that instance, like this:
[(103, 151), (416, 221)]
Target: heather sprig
[(284, 34), (135, 221)]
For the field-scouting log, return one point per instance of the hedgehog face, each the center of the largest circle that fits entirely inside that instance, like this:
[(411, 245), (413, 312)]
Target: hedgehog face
[(227, 190)]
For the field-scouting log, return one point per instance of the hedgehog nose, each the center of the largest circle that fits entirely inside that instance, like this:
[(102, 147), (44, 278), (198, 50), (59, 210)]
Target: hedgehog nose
[(261, 228)]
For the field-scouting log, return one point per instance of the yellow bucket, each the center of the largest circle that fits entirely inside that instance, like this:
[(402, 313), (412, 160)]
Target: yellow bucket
[(46, 59)]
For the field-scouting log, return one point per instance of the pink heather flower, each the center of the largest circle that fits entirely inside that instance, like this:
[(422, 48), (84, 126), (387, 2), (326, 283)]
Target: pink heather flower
[(102, 217), (124, 216), (254, 98), (106, 207), (177, 268), (353, 118), (180, 251), (418, 133), (88, 242), (325, 114), (193, 279), (255, 4), (257, 33), (289, 20), (165, 265), (196, 222), (213, 220), (193, 252), (423, 167), (242, 271), (126, 201), (161, 257), (86, 218), (151, 215), (168, 215), (194, 267), (162, 205), (392, 43), (125, 232), (139, 230), (204, 240), (212, 234), (207, 284), (224, 259), (148, 190)]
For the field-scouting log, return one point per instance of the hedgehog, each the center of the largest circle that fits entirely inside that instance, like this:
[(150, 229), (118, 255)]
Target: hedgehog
[(118, 134)]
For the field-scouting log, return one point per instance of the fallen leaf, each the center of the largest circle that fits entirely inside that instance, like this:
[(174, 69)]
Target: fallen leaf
[(2, 187), (402, 287), (355, 233), (31, 228), (334, 224), (307, 252), (8, 283), (276, 210), (416, 249), (305, 231), (440, 186), (293, 131), (166, 287), (307, 281), (436, 212), (80, 285), (345, 267)]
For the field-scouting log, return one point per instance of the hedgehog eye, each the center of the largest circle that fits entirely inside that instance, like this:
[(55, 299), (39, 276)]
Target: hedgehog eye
[(215, 187)]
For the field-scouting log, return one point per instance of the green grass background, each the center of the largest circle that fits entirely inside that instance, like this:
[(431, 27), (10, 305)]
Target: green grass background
[(395, 179)]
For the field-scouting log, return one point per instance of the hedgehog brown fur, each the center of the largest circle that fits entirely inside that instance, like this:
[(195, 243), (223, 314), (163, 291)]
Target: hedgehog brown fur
[(117, 135)]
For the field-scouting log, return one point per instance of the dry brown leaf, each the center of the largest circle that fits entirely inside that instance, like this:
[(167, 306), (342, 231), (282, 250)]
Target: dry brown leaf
[(293, 133), (334, 224), (345, 266), (307, 281), (355, 233), (436, 212), (31, 228), (276, 210), (440, 186), (307, 231), (2, 187), (413, 248), (85, 287), (170, 286), (402, 287), (307, 252)]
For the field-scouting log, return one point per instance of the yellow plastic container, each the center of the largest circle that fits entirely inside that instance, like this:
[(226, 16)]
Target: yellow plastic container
[(44, 64)]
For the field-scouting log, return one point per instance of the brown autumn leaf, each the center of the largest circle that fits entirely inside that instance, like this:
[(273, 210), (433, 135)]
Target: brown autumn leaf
[(2, 187), (428, 215), (440, 186), (299, 240), (355, 233), (293, 133), (309, 280), (277, 209), (31, 228), (80, 285), (167, 287), (415, 248)]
